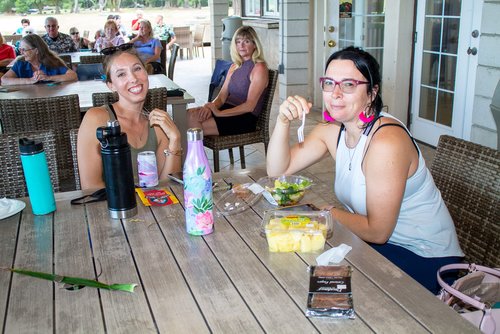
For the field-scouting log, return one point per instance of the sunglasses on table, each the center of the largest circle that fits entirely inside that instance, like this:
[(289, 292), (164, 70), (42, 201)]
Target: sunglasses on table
[(113, 49)]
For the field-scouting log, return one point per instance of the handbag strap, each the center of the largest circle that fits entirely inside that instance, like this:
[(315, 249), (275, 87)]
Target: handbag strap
[(471, 268)]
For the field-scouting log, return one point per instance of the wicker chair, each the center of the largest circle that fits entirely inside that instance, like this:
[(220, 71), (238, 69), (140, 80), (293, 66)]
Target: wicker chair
[(12, 183), (60, 114), (163, 56), (198, 40), (156, 98), (171, 62), (260, 135), (92, 59), (73, 139), (183, 37), (468, 176), (67, 60)]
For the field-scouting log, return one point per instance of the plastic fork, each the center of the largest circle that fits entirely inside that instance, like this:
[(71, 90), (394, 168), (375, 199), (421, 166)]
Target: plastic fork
[(300, 130)]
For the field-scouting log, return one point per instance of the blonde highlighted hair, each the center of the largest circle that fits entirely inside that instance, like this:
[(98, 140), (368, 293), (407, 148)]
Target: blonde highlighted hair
[(250, 34)]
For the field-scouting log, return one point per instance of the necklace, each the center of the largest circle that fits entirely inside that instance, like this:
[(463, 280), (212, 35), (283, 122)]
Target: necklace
[(353, 150)]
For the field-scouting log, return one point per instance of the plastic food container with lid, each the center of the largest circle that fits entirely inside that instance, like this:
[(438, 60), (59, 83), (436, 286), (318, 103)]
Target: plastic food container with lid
[(299, 231), (286, 189)]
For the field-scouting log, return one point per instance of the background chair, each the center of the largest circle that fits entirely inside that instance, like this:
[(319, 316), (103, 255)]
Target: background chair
[(163, 56), (156, 98), (198, 40), (59, 114), (260, 135), (12, 183), (218, 76), (73, 139), (92, 59), (183, 37), (468, 176), (89, 72), (171, 62), (67, 60)]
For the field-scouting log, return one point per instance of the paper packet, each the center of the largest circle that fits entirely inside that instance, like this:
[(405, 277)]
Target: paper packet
[(330, 293), (156, 197)]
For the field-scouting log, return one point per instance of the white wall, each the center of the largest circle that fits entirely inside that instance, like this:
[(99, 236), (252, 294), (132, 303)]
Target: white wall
[(483, 129)]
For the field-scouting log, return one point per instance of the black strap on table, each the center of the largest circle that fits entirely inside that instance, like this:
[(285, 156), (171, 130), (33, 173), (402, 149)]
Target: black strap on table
[(97, 196)]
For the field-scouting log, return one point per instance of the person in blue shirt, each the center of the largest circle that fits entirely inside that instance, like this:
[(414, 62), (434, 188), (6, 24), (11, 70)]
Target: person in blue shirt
[(37, 64), (24, 23), (148, 48)]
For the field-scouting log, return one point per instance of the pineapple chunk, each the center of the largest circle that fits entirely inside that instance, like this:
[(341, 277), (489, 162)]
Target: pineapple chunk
[(317, 242), (305, 243)]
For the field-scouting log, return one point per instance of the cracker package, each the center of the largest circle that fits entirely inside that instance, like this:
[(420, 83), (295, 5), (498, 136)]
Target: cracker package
[(156, 197), (330, 293)]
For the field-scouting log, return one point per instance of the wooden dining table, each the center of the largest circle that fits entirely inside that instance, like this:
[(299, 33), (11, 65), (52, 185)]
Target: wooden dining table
[(85, 89), (224, 282)]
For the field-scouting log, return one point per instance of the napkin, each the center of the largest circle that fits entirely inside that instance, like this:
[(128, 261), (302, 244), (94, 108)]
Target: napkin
[(257, 189), (333, 255)]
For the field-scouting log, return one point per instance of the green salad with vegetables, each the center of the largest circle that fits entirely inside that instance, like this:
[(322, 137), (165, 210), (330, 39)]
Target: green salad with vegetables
[(286, 193)]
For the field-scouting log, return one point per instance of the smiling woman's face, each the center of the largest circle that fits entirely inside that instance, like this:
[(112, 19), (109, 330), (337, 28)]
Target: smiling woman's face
[(128, 77)]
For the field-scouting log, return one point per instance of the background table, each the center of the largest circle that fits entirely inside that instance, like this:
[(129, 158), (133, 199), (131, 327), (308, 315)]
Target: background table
[(227, 281), (85, 89)]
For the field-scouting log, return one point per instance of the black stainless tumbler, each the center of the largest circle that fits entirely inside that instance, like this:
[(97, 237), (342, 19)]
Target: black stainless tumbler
[(118, 173)]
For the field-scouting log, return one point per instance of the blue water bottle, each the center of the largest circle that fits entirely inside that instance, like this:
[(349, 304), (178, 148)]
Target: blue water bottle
[(36, 174)]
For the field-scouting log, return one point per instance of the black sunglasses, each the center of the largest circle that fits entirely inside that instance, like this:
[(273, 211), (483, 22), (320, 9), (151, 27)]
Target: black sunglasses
[(113, 49), (74, 33)]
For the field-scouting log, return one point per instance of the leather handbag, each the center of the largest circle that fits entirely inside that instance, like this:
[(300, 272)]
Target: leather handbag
[(474, 295)]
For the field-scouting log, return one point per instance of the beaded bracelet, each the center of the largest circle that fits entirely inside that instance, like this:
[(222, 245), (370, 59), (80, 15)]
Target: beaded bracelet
[(175, 152)]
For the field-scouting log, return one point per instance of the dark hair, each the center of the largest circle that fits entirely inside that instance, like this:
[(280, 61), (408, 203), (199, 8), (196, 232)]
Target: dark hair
[(110, 17), (25, 21), (109, 60), (369, 68)]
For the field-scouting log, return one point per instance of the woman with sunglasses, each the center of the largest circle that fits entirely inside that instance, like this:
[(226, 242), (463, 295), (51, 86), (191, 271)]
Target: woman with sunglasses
[(237, 106), (389, 197), (37, 64), (146, 131), (81, 43)]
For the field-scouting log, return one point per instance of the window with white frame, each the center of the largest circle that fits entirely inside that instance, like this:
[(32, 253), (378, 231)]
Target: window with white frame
[(261, 8)]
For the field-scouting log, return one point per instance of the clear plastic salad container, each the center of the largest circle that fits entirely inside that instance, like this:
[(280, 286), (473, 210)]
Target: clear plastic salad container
[(286, 189)]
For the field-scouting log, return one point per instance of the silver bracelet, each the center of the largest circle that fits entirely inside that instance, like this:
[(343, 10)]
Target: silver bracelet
[(174, 152)]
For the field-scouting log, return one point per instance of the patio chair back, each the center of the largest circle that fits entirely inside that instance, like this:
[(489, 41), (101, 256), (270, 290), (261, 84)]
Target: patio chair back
[(199, 32), (156, 98), (59, 114), (67, 60), (73, 139), (183, 37), (89, 72), (468, 176), (92, 59), (260, 135), (12, 183), (171, 62)]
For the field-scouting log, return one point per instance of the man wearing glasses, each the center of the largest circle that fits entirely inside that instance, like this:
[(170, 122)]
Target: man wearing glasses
[(57, 41)]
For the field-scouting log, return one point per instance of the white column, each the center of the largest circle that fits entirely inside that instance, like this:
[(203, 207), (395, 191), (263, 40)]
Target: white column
[(218, 10), (294, 44)]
